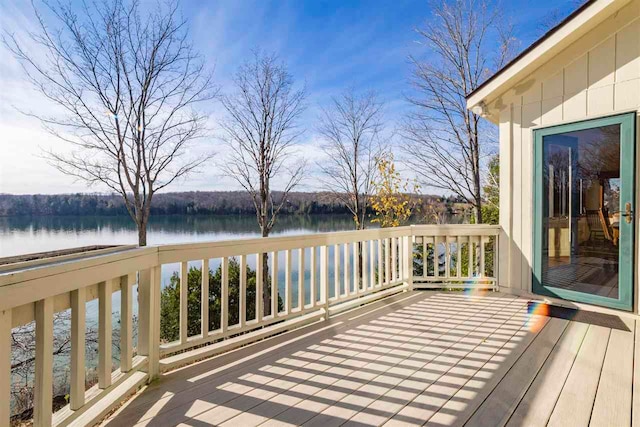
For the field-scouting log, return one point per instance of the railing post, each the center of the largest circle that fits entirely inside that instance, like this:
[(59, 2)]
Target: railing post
[(104, 334), (43, 390), (126, 322), (78, 331), (5, 367), (149, 308)]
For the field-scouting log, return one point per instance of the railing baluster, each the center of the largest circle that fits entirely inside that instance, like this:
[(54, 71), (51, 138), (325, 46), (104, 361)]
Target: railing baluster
[(356, 267), (287, 279), (471, 265), (312, 276), (458, 257), (401, 256), (436, 256), (104, 333), (425, 257), (372, 277), (184, 301), (78, 331), (301, 267), (447, 258), (387, 260), (43, 387), (394, 259), (126, 319), (365, 265), (496, 248), (242, 315), (5, 367), (324, 278), (347, 264), (336, 271), (204, 299), (380, 264), (259, 287), (274, 284), (224, 295), (482, 256)]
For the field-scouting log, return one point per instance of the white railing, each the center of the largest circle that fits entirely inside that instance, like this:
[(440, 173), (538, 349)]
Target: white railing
[(314, 276), (455, 256)]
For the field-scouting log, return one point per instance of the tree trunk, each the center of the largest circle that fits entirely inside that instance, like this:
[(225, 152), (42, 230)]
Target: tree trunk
[(478, 210), (141, 223), (267, 283), (142, 234)]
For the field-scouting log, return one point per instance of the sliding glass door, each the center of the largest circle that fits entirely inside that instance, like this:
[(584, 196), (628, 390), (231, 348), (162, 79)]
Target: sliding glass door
[(583, 211)]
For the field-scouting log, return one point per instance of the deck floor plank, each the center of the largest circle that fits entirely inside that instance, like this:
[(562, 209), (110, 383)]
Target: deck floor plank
[(612, 406), (502, 401), (578, 394), (538, 402)]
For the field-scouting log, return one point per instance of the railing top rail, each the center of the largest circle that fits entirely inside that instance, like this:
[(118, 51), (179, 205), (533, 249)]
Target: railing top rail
[(45, 259), (64, 274), (330, 236), (34, 282), (453, 229)]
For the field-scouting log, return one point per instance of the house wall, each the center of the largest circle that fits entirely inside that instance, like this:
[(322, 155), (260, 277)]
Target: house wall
[(596, 76)]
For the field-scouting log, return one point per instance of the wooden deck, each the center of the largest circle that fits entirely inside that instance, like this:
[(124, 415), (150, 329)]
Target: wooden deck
[(433, 358)]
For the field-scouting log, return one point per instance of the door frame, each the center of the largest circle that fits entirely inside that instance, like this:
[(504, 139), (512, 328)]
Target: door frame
[(626, 258)]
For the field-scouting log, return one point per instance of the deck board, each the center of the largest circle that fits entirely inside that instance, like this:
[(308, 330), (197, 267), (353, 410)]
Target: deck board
[(612, 406), (537, 404), (578, 394), (444, 359), (502, 401)]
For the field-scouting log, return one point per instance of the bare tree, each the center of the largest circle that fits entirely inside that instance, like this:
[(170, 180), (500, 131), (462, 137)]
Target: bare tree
[(262, 130), (350, 128), (126, 88), (447, 145), (23, 339)]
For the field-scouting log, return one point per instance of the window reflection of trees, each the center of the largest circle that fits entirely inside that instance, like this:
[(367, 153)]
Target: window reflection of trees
[(597, 168)]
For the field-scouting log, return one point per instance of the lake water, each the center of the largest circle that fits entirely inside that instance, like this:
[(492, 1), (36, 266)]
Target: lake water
[(23, 235)]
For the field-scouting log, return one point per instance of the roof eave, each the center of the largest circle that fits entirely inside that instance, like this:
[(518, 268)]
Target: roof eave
[(556, 40)]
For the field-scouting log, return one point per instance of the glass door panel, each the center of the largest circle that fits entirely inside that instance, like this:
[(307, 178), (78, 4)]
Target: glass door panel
[(584, 201)]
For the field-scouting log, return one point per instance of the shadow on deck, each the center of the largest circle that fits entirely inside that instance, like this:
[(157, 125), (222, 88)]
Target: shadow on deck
[(417, 358)]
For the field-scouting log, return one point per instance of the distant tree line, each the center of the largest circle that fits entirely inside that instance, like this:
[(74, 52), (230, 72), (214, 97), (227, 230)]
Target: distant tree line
[(187, 203)]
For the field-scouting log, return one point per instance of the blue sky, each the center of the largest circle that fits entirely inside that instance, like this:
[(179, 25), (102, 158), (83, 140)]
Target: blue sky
[(329, 45)]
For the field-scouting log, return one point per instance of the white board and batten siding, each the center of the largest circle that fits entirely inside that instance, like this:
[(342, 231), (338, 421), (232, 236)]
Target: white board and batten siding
[(597, 75)]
